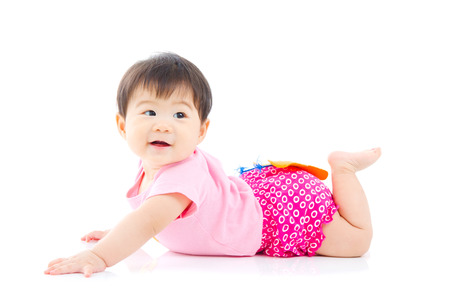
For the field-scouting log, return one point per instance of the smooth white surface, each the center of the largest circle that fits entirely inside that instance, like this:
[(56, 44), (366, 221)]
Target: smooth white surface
[(291, 80)]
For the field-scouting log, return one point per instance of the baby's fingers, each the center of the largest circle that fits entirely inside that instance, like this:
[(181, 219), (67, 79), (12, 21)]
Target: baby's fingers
[(95, 235), (54, 262), (60, 269), (88, 237), (84, 262), (65, 268), (54, 265)]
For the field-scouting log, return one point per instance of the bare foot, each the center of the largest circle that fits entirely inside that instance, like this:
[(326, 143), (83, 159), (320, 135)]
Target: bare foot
[(353, 162)]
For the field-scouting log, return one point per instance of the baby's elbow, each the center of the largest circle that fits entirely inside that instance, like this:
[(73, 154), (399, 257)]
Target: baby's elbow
[(152, 227)]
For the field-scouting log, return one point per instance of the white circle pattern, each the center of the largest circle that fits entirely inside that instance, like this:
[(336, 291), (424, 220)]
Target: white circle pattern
[(295, 204)]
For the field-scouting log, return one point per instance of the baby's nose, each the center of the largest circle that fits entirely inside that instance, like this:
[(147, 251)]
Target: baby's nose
[(162, 126)]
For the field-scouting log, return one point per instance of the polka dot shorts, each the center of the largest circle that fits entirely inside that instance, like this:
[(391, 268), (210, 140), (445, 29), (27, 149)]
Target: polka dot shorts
[(295, 204)]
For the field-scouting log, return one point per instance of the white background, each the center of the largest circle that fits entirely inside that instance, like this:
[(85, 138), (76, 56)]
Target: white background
[(290, 79)]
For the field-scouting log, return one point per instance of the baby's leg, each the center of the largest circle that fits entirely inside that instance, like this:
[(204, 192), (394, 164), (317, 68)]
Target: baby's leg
[(350, 232)]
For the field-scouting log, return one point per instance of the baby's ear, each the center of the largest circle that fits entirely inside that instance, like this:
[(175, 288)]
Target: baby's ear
[(203, 130), (120, 121)]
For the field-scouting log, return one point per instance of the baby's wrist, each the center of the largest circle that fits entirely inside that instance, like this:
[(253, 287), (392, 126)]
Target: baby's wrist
[(98, 254)]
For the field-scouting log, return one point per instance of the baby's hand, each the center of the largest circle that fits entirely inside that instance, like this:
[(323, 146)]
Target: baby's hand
[(95, 235), (85, 262)]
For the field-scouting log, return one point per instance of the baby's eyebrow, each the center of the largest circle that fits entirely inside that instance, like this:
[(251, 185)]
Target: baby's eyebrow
[(143, 102), (185, 103)]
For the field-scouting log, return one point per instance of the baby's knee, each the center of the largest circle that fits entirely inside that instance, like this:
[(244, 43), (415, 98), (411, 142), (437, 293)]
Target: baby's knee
[(361, 244)]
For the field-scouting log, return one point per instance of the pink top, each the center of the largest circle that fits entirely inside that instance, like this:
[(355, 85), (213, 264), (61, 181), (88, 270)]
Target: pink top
[(224, 217)]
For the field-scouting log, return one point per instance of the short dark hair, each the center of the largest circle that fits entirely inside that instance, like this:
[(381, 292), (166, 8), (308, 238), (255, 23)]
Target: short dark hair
[(164, 73)]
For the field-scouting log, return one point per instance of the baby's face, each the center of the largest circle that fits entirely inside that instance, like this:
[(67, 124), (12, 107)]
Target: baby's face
[(162, 131)]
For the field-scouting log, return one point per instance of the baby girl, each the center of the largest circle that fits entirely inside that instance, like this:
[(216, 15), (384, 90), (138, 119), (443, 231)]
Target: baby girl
[(183, 197)]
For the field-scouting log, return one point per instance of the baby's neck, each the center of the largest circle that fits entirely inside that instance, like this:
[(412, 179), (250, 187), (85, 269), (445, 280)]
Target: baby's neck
[(147, 179), (145, 183)]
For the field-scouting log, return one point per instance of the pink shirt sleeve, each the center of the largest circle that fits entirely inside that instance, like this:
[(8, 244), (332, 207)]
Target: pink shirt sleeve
[(184, 178)]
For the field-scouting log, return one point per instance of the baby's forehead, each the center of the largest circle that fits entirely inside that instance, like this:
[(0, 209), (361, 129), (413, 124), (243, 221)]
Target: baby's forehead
[(178, 94)]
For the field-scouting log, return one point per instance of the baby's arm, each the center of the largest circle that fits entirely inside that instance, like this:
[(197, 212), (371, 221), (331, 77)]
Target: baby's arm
[(127, 237)]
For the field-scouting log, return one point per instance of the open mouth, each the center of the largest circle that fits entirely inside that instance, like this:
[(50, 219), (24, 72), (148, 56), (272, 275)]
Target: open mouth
[(160, 144)]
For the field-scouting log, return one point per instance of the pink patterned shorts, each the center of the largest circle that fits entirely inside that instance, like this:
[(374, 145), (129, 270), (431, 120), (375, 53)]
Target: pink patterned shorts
[(295, 204)]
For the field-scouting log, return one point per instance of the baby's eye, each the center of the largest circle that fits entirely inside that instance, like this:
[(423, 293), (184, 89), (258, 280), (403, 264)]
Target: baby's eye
[(150, 113), (179, 115)]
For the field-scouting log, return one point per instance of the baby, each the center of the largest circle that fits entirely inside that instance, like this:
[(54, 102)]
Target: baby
[(184, 198)]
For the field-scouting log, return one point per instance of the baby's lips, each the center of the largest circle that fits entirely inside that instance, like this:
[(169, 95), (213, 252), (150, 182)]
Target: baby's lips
[(160, 144)]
